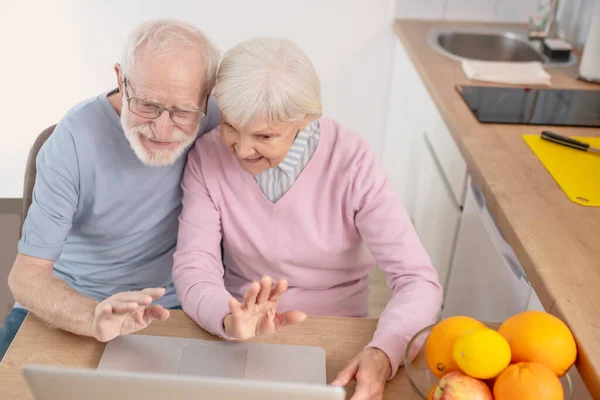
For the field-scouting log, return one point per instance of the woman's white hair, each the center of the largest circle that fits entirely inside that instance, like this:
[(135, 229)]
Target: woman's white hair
[(267, 80), (158, 37)]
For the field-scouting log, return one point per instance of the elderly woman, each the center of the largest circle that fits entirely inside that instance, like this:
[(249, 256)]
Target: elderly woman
[(300, 198)]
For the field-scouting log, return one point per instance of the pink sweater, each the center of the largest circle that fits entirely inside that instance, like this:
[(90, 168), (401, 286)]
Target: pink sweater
[(317, 236)]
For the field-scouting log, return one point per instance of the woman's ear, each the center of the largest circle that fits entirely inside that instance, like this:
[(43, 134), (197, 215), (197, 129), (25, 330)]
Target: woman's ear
[(304, 123)]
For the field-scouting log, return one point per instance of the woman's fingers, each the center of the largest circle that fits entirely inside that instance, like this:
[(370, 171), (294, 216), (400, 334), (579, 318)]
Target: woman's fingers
[(265, 289), (251, 294), (259, 293), (234, 306), (278, 290), (289, 318), (347, 374)]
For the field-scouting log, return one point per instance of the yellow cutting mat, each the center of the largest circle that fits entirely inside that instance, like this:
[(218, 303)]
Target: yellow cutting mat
[(576, 172)]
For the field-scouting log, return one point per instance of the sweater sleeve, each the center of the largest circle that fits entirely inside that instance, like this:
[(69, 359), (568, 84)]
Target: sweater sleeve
[(388, 232), (197, 269)]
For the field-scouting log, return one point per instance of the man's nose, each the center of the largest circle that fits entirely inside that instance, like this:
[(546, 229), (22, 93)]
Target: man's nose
[(163, 127)]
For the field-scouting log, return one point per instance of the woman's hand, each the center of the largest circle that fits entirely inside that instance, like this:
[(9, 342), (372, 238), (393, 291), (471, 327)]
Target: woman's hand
[(371, 368), (258, 315)]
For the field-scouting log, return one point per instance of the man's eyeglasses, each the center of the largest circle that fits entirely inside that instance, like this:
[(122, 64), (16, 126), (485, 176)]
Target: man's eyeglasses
[(151, 110)]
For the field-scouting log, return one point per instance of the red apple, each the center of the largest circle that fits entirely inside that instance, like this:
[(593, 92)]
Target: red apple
[(458, 386)]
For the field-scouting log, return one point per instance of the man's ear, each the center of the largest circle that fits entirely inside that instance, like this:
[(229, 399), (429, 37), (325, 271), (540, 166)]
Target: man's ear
[(117, 69)]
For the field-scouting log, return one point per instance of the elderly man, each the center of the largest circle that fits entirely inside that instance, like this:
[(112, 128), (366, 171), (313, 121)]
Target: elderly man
[(96, 254)]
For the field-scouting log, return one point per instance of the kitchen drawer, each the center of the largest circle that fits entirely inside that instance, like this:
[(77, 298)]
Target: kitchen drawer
[(447, 153), (486, 280)]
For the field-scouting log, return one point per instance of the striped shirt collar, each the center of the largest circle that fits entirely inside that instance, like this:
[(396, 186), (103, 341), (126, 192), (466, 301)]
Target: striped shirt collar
[(288, 165)]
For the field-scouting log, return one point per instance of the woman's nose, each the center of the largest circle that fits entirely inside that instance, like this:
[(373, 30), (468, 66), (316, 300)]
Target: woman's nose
[(244, 149)]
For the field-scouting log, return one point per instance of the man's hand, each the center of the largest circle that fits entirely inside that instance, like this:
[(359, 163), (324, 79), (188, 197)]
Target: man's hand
[(126, 312), (371, 368), (258, 315)]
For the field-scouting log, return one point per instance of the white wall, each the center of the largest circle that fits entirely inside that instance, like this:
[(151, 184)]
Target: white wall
[(55, 54)]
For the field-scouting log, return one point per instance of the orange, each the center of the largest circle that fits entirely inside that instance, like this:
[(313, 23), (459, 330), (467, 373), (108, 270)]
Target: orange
[(528, 381), (431, 392), (536, 336), (440, 343)]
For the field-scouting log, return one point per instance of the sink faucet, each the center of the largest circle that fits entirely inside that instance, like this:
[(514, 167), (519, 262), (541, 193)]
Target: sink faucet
[(548, 29)]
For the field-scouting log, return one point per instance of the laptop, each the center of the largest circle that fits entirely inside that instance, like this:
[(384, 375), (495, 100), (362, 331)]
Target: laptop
[(207, 358), (62, 383)]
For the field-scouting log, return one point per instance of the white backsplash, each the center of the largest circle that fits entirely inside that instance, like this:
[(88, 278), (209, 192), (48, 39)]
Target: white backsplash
[(477, 10), (573, 15), (424, 9)]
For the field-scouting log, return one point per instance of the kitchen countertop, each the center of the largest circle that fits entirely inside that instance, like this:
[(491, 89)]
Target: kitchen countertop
[(556, 241)]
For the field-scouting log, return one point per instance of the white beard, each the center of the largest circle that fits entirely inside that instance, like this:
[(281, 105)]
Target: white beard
[(154, 157)]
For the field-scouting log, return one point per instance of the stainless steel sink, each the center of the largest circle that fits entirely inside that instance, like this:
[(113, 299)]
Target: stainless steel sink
[(489, 44)]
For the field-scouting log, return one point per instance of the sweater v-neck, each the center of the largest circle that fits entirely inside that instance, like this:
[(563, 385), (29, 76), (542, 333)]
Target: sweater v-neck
[(314, 162)]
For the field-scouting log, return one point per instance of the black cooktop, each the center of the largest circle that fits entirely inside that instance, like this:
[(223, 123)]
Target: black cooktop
[(533, 106)]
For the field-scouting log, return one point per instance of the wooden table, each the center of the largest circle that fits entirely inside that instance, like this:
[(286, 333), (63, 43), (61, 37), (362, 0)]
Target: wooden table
[(35, 343)]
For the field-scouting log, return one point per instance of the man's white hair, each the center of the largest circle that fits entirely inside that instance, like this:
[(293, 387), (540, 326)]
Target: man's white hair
[(158, 37), (267, 80)]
